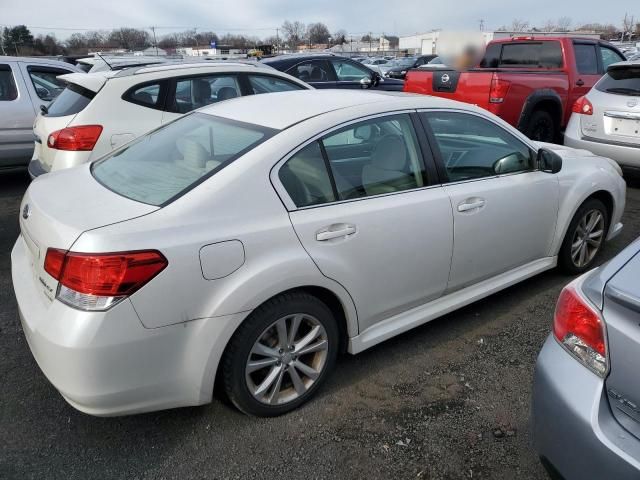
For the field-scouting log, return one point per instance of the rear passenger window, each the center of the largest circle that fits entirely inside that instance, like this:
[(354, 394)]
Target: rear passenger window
[(268, 84), (198, 92), (306, 179), (492, 56), (314, 71), (586, 58), (45, 83), (146, 95), (8, 90), (472, 147), (542, 54)]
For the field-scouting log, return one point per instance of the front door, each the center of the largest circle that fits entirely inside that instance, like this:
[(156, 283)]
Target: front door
[(504, 209), (371, 218)]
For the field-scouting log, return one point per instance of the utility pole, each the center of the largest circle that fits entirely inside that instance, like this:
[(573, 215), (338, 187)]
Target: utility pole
[(481, 25), (369, 43), (278, 40), (155, 42), (195, 37)]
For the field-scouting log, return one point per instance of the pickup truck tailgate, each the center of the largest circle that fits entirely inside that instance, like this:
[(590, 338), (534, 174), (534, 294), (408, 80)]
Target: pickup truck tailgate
[(474, 87)]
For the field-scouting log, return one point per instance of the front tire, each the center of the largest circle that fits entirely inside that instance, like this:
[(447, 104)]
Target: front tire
[(584, 238), (541, 127), (280, 355)]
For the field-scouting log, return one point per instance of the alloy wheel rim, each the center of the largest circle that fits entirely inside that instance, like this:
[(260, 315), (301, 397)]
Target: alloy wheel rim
[(587, 238), (287, 359)]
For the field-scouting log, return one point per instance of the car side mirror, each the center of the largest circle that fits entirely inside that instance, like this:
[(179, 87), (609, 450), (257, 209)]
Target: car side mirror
[(365, 82), (549, 161)]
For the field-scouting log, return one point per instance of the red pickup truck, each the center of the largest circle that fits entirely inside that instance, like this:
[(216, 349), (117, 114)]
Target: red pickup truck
[(530, 82)]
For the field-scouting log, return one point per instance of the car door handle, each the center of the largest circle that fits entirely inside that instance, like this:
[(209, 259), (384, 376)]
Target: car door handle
[(339, 230), (471, 204), (580, 82)]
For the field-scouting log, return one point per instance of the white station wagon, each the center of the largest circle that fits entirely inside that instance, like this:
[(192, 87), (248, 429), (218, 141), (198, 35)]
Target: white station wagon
[(99, 112), (255, 239)]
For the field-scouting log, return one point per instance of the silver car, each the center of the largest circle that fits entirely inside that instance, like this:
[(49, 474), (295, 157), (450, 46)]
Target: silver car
[(586, 395), (26, 85), (606, 121), (254, 239)]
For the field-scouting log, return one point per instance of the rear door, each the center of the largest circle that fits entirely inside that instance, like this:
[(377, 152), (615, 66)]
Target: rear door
[(588, 66), (16, 120), (317, 73), (382, 226), (192, 92), (504, 209), (622, 316)]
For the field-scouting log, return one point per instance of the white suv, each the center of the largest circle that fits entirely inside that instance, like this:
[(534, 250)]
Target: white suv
[(100, 112)]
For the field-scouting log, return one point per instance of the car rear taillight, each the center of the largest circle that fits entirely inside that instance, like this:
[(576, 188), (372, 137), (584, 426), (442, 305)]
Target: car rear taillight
[(582, 106), (578, 326), (499, 89), (97, 281), (81, 138)]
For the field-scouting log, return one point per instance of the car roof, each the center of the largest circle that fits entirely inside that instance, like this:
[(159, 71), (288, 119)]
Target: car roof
[(283, 109), (43, 61)]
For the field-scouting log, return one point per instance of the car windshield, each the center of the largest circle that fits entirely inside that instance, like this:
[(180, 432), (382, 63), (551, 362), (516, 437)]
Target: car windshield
[(405, 62), (162, 165), (621, 81)]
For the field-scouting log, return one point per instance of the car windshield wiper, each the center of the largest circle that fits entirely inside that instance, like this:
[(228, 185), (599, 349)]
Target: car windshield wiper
[(624, 91)]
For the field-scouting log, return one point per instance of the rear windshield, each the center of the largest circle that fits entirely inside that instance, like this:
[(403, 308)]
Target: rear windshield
[(621, 81), (72, 100), (161, 166), (528, 54)]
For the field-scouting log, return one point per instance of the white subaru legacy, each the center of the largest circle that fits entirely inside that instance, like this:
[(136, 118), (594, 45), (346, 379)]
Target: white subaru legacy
[(256, 239)]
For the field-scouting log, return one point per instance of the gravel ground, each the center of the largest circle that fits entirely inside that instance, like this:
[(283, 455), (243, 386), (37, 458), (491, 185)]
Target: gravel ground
[(445, 401)]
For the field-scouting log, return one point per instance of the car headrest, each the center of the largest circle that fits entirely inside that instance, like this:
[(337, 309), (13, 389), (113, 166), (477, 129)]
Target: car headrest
[(227, 93), (390, 153), (194, 155)]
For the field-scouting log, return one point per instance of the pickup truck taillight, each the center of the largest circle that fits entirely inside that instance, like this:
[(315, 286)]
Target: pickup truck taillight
[(81, 138), (579, 328), (498, 90), (582, 106), (97, 281)]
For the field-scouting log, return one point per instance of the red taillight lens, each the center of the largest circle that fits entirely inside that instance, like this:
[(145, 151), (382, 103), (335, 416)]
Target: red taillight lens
[(499, 89), (82, 138), (102, 276), (577, 325), (53, 262), (582, 106)]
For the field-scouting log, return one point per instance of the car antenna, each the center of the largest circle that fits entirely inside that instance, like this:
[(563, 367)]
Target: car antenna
[(104, 60)]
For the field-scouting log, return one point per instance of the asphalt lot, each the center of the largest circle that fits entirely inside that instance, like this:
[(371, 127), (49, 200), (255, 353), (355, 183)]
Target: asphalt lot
[(445, 401)]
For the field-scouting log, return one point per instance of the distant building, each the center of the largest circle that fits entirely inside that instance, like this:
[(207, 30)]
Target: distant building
[(151, 51)]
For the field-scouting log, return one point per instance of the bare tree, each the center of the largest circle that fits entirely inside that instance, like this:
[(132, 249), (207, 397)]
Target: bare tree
[(519, 25), (318, 33), (294, 32), (549, 26), (564, 24), (340, 37), (628, 26)]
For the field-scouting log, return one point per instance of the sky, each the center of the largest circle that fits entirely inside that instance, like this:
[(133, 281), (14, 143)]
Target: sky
[(261, 18)]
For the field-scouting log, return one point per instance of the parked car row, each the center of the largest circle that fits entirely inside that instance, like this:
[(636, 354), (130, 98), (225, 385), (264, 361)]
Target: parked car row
[(228, 221)]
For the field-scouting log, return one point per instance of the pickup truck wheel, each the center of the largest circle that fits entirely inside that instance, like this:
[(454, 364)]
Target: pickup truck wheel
[(541, 127), (584, 238)]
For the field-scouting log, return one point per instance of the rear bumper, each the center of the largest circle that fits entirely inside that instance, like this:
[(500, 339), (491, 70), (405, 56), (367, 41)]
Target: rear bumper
[(625, 154), (108, 363), (36, 169), (573, 428)]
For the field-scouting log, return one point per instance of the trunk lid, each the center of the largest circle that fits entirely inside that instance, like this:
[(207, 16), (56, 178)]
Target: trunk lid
[(616, 107), (80, 90), (50, 217), (622, 316)]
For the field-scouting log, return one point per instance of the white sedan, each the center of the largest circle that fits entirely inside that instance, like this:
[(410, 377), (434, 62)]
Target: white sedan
[(255, 239)]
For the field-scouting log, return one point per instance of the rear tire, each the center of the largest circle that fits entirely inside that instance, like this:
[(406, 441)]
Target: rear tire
[(541, 127), (280, 355), (585, 237)]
